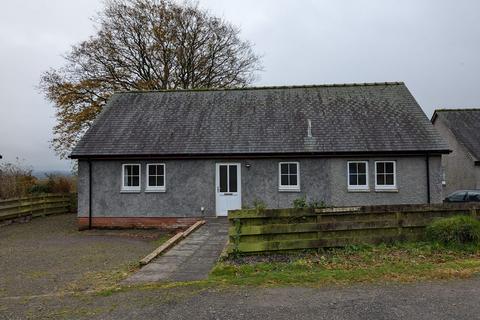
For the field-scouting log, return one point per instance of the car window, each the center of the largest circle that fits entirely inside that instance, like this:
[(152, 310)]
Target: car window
[(457, 196), (473, 196)]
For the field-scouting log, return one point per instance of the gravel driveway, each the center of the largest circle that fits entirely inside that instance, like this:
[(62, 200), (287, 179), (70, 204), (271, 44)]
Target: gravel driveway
[(434, 300), (50, 255)]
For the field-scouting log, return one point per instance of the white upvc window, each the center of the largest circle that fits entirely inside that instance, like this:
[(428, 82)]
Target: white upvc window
[(357, 175), (385, 175), (131, 177), (289, 176), (155, 177)]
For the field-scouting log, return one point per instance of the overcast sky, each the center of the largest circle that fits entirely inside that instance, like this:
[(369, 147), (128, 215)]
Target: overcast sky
[(434, 46)]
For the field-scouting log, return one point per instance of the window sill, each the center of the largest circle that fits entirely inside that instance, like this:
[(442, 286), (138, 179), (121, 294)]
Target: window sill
[(387, 190), (358, 190), (130, 191), (289, 190), (155, 190)]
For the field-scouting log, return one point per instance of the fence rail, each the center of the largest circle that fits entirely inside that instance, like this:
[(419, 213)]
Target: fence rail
[(35, 206), (253, 231)]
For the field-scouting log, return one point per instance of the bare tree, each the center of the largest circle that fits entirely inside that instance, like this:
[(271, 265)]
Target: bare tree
[(144, 45)]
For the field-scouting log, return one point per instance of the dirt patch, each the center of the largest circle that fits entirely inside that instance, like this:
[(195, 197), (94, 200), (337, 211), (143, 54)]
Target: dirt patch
[(49, 255)]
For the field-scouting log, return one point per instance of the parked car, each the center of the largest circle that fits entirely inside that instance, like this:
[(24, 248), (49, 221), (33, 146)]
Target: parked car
[(464, 196)]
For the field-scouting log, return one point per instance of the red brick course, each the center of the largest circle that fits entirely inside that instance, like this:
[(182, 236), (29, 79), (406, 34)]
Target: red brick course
[(167, 223)]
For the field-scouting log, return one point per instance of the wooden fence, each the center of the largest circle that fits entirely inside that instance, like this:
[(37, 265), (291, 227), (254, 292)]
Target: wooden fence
[(36, 206), (253, 231)]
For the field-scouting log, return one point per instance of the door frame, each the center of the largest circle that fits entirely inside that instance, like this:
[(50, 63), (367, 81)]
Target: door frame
[(217, 183)]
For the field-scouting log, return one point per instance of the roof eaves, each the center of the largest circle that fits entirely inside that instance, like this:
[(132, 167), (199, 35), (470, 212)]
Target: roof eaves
[(260, 154)]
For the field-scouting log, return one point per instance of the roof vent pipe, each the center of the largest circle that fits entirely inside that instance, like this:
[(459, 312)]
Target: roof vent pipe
[(309, 130)]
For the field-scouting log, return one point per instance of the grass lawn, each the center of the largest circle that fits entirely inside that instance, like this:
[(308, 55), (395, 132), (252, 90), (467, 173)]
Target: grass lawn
[(385, 263)]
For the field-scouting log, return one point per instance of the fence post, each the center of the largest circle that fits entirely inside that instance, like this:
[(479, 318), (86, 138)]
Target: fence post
[(319, 218), (474, 213), (44, 203), (398, 216)]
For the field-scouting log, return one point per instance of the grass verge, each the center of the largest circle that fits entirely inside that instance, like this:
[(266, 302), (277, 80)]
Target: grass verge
[(405, 262)]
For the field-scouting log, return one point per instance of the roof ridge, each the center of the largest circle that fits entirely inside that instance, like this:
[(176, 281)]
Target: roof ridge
[(356, 84)]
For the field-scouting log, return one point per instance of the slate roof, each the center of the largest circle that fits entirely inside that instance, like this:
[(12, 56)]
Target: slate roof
[(465, 126), (349, 118)]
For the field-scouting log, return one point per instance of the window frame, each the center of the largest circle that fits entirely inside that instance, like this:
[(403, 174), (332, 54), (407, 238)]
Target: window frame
[(365, 187), (132, 188), (386, 187), (150, 188), (292, 188)]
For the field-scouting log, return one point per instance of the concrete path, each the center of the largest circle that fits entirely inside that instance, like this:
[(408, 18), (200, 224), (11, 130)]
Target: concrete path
[(191, 259)]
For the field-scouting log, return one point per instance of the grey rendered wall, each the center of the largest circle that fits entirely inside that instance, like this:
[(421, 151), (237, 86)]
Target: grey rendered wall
[(411, 183), (260, 182), (477, 174), (459, 165), (190, 185)]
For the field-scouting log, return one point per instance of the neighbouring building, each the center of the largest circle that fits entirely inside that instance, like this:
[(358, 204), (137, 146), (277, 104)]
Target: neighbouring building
[(461, 129), (158, 158)]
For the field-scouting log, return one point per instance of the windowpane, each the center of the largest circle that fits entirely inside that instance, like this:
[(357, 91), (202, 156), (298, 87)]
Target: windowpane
[(459, 196), (152, 170), (361, 167), (380, 179), (135, 170), (232, 182), (352, 168), (362, 180), (293, 168), (160, 170), (389, 167), (284, 168), (293, 180), (160, 181), (473, 197), (151, 181), (353, 180), (135, 181), (223, 179), (380, 167), (284, 180), (128, 170), (389, 179)]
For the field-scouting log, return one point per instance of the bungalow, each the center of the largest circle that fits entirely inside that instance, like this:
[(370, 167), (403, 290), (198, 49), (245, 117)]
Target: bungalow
[(461, 129), (157, 158)]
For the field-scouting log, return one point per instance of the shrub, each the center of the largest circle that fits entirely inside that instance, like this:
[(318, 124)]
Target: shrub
[(314, 204), (300, 203), (16, 179), (54, 184), (259, 204), (39, 188), (455, 230)]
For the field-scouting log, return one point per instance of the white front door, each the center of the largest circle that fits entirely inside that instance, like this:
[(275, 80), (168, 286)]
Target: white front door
[(228, 188)]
